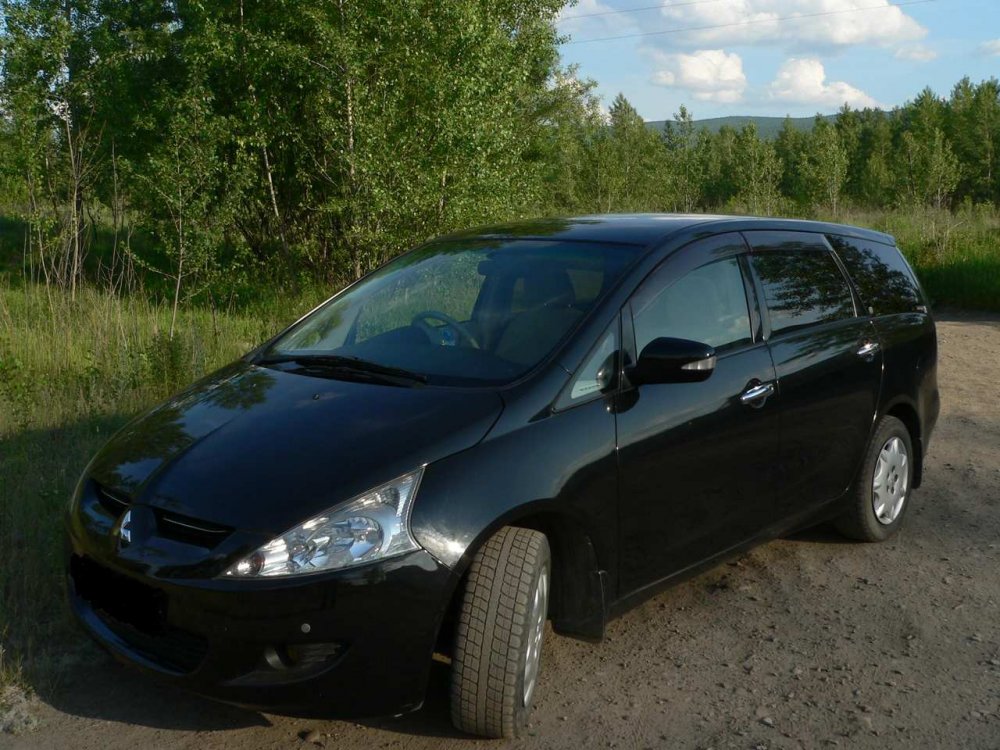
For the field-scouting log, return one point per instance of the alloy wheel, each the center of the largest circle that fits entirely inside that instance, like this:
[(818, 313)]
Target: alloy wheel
[(536, 625), (891, 481)]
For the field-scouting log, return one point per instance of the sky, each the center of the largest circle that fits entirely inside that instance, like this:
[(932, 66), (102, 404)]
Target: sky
[(778, 57)]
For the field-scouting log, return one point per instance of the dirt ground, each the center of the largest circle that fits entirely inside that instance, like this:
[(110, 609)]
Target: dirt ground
[(807, 642)]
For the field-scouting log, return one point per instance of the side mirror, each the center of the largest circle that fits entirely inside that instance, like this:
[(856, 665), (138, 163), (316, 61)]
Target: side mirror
[(666, 360), (606, 372)]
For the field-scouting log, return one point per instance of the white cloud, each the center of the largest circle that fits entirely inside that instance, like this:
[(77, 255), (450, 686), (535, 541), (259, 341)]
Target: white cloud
[(803, 81), (916, 53), (697, 64), (591, 19), (792, 24), (990, 48), (711, 75)]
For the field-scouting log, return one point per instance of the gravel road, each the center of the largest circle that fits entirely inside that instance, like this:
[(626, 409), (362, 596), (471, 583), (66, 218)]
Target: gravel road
[(807, 642)]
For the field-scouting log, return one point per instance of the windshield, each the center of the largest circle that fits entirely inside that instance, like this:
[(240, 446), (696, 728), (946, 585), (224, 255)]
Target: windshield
[(462, 312)]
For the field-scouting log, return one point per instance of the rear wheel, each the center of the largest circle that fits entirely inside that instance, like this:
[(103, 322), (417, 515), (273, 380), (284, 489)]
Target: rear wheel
[(881, 493), (498, 643)]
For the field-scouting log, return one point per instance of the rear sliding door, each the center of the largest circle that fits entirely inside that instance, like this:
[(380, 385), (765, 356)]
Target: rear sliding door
[(828, 362)]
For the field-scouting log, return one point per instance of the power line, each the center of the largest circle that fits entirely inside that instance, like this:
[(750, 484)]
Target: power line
[(750, 22), (636, 10)]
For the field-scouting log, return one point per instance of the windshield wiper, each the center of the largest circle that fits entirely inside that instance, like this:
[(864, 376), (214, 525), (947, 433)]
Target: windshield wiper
[(348, 364)]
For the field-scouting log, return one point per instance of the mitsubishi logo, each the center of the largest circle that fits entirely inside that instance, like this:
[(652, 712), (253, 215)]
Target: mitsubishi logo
[(124, 529), (134, 529)]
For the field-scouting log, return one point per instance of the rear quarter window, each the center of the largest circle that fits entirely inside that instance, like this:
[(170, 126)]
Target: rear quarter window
[(883, 278)]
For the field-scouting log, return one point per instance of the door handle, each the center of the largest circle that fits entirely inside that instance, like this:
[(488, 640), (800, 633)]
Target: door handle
[(869, 349), (757, 393)]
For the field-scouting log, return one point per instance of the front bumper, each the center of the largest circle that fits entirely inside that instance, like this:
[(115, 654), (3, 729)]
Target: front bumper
[(352, 643)]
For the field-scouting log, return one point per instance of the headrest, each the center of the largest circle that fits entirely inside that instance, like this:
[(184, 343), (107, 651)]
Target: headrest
[(548, 285)]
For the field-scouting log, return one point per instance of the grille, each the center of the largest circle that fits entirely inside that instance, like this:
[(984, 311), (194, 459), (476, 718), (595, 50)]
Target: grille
[(169, 525), (190, 530), (137, 614), (113, 502), (172, 649)]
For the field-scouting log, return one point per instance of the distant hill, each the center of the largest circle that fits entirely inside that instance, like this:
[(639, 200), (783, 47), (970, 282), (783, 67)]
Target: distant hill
[(768, 127)]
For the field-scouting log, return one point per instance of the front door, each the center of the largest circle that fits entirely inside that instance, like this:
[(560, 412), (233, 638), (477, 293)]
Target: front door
[(696, 459)]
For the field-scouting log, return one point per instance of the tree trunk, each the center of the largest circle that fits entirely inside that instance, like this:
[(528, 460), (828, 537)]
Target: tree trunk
[(352, 186), (351, 172), (76, 211), (274, 197), (180, 260), (441, 200)]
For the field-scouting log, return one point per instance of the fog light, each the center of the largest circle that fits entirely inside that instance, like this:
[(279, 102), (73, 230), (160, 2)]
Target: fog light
[(309, 654), (300, 655), (276, 658)]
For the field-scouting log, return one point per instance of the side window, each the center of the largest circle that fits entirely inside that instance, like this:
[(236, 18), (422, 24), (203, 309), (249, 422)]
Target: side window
[(597, 372), (802, 288), (883, 279), (708, 305)]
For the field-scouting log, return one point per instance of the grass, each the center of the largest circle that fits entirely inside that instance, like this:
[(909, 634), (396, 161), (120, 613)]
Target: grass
[(956, 255), (72, 372)]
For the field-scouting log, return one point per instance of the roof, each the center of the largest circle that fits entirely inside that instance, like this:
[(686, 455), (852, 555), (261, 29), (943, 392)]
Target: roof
[(649, 229)]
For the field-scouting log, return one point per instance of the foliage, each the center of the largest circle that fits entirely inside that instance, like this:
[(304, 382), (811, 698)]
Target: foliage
[(756, 172), (326, 135), (318, 139), (824, 166), (933, 152), (687, 175)]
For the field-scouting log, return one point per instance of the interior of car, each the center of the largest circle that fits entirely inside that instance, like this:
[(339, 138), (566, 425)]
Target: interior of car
[(479, 315)]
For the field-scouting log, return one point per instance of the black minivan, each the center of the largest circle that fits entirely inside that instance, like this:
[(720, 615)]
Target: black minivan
[(541, 421)]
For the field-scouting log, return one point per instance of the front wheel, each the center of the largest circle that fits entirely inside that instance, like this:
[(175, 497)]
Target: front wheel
[(880, 496), (498, 643)]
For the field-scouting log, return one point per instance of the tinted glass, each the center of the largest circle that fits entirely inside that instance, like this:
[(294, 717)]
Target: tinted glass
[(464, 312), (880, 274), (802, 288), (707, 304), (598, 372)]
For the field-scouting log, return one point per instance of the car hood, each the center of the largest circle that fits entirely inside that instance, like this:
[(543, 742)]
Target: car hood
[(263, 450)]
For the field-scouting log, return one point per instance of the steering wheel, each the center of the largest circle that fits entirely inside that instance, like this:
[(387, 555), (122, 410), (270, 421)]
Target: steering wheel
[(421, 318)]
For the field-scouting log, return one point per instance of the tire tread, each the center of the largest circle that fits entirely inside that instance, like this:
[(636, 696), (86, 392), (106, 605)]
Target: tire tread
[(492, 622)]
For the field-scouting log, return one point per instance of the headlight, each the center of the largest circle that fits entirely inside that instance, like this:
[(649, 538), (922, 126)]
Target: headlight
[(372, 526)]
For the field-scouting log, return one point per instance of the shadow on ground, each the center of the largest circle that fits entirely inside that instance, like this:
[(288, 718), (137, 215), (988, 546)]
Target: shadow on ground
[(38, 469), (824, 533), (108, 691)]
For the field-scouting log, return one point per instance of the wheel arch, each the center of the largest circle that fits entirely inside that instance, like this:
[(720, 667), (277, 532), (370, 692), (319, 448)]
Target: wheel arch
[(578, 604), (906, 413), (579, 596)]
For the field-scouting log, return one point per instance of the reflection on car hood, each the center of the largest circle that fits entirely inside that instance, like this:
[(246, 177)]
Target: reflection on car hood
[(263, 450)]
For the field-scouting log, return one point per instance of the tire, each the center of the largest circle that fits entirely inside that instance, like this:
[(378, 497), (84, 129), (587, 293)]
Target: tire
[(875, 514), (503, 611)]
